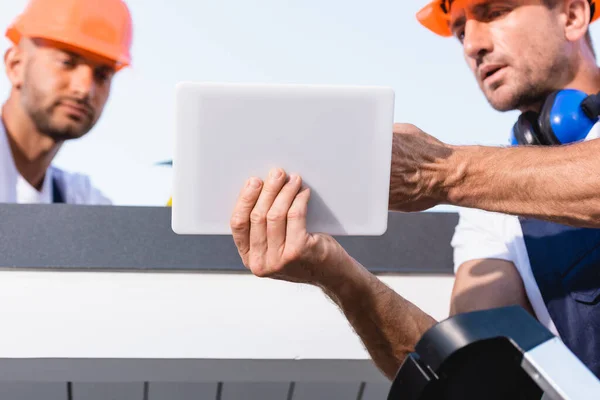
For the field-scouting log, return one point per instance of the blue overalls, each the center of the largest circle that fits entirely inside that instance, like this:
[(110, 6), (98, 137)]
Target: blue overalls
[(565, 262), (57, 195)]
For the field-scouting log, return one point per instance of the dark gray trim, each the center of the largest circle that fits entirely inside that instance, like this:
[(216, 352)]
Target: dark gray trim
[(187, 370), (132, 238)]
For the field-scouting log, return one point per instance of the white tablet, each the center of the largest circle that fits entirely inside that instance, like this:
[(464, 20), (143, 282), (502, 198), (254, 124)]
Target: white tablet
[(337, 138)]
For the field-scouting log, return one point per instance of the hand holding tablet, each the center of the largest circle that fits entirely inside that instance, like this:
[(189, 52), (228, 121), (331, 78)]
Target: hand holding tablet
[(336, 139), (268, 224)]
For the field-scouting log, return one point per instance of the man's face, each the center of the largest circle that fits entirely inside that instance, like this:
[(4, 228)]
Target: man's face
[(62, 91), (516, 49)]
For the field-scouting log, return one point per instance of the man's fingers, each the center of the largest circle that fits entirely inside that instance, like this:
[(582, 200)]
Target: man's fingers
[(278, 214), (240, 219), (296, 219), (258, 216)]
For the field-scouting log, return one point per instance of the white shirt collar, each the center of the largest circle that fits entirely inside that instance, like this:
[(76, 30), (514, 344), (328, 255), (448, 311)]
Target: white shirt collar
[(594, 132), (16, 188)]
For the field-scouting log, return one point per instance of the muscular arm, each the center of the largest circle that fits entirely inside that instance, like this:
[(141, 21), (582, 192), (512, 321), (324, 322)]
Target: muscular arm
[(560, 184), (485, 284), (269, 229), (390, 326)]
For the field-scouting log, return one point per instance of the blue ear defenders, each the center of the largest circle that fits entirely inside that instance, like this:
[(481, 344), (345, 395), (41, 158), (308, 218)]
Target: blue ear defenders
[(566, 117)]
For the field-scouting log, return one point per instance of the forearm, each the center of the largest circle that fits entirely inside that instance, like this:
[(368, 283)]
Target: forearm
[(560, 184), (388, 325)]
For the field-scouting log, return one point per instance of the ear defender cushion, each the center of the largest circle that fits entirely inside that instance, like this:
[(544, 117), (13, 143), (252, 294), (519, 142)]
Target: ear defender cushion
[(526, 130), (562, 119)]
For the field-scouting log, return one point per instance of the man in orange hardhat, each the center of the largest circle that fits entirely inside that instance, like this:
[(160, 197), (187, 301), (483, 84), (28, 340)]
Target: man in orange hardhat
[(60, 66), (522, 246)]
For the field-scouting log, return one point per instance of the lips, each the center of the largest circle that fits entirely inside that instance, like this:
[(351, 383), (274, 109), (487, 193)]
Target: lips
[(487, 71), (77, 110)]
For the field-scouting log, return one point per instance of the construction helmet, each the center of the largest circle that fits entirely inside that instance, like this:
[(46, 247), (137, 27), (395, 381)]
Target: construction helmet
[(100, 27), (435, 16)]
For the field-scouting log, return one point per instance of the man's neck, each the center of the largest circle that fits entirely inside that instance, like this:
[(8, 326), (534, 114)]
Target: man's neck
[(32, 151), (587, 79)]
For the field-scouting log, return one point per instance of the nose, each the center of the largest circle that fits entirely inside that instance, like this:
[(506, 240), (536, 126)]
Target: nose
[(82, 81), (477, 41)]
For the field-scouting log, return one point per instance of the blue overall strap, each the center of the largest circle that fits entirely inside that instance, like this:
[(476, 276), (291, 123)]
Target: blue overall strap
[(565, 262), (57, 195)]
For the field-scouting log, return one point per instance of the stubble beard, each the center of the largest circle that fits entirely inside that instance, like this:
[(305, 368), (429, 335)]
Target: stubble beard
[(531, 90), (40, 114)]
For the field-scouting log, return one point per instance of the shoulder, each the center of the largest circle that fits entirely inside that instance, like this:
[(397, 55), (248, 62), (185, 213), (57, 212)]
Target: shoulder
[(486, 224), (78, 188), (482, 234), (594, 133)]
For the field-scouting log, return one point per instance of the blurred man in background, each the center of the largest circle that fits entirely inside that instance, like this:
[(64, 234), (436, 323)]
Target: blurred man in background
[(64, 56)]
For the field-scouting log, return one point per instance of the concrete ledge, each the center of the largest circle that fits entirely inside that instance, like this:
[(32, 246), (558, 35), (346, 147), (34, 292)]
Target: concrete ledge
[(176, 370), (58, 236)]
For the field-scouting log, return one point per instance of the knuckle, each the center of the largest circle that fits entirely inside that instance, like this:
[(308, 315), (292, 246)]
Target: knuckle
[(255, 264), (238, 222), (264, 267), (296, 213), (275, 215), (293, 254), (261, 272), (257, 217)]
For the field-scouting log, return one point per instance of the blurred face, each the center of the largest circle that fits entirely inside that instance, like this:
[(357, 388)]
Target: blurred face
[(517, 49), (63, 92)]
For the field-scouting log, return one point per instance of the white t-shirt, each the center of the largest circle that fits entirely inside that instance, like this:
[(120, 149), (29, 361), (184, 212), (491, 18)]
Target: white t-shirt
[(75, 188), (482, 234)]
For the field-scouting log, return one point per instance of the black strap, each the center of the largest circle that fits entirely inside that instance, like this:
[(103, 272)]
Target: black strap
[(57, 196)]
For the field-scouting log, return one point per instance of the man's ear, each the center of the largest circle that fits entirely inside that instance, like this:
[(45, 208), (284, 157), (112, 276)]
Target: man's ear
[(13, 62), (577, 14)]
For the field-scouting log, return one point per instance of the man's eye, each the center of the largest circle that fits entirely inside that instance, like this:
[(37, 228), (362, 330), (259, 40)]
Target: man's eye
[(102, 76), (67, 62), (497, 13)]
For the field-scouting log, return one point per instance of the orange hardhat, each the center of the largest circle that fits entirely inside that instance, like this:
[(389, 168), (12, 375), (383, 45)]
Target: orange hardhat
[(435, 16), (100, 27)]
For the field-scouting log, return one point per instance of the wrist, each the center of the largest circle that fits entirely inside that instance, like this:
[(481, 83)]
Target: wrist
[(458, 174), (342, 277)]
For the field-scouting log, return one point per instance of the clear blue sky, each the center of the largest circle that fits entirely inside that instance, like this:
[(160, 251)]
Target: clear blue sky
[(378, 42)]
